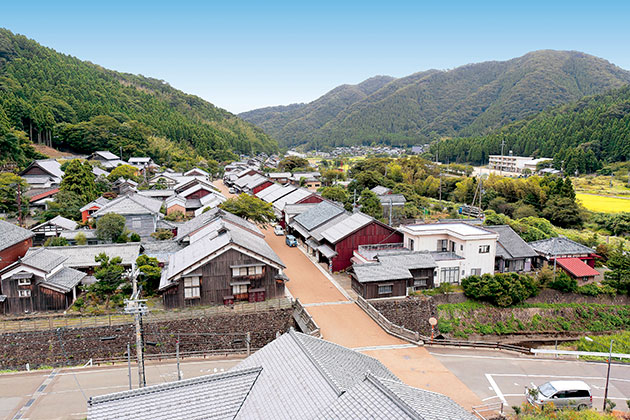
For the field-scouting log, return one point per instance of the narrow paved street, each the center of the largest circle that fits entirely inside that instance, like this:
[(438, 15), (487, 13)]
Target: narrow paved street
[(343, 322)]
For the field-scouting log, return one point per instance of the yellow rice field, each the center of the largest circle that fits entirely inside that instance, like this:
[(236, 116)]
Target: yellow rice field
[(604, 204)]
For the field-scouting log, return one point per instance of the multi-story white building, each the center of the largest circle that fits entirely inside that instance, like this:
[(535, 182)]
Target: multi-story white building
[(475, 246), (515, 164)]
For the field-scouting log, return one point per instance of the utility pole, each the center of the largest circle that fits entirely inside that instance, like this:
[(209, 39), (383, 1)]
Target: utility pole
[(19, 203), (501, 166), (608, 375), (390, 211), (129, 363), (137, 307)]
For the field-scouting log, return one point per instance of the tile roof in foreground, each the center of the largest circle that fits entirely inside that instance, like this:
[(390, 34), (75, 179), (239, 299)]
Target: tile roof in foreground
[(296, 376), (12, 234)]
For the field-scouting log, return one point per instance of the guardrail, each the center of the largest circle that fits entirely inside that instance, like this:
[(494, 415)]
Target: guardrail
[(387, 325), (494, 408), (581, 353), (417, 338), (42, 323), (305, 320)]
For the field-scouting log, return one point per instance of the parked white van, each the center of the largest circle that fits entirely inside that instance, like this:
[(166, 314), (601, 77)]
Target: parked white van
[(563, 394)]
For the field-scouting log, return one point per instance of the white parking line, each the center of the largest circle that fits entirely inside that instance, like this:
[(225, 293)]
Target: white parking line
[(496, 388), (520, 359), (523, 375), (385, 347)]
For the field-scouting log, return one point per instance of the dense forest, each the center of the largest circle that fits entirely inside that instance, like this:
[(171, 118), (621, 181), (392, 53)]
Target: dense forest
[(60, 100), (470, 100), (580, 137)]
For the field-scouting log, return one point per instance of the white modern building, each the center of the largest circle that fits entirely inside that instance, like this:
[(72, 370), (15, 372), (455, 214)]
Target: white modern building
[(475, 248), (514, 164)]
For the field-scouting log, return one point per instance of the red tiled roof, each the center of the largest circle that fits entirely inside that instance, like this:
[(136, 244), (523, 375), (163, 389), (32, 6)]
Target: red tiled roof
[(577, 267), (44, 194)]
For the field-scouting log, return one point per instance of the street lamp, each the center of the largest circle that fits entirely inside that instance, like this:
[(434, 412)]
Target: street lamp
[(587, 338)]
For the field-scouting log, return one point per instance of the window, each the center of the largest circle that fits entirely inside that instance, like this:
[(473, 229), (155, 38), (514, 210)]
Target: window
[(411, 244), (192, 290), (385, 289), (484, 249), (518, 265), (247, 271), (24, 293), (239, 289), (24, 282), (461, 247), (449, 275), (442, 245), (475, 271)]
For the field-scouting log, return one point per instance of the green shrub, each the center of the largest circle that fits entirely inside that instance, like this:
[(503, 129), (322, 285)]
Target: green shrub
[(502, 289), (591, 289), (134, 237), (564, 283)]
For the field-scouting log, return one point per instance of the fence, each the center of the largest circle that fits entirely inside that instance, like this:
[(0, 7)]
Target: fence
[(492, 408), (417, 338), (41, 323), (305, 321), (387, 325)]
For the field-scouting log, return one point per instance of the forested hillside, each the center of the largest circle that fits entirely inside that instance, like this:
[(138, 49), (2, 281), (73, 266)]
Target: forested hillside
[(469, 100), (55, 98), (580, 136)]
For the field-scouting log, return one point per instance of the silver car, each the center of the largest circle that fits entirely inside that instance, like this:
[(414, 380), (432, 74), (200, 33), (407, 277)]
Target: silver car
[(563, 394)]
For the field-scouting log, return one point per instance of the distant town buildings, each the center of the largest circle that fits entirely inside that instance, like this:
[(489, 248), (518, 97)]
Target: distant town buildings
[(514, 164)]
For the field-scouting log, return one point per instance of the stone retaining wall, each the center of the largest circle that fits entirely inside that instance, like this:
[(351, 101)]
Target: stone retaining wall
[(412, 313), (75, 346)]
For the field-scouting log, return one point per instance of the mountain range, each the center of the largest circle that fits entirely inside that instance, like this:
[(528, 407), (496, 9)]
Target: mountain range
[(77, 105), (471, 100)]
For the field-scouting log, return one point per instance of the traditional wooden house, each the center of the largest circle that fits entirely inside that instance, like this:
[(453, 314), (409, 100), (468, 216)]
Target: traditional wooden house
[(82, 257), (39, 199), (279, 177), (342, 238), (89, 209), (513, 253), (38, 282), (224, 263), (43, 174), (141, 213), (15, 242), (561, 247), (107, 159), (396, 274), (52, 228)]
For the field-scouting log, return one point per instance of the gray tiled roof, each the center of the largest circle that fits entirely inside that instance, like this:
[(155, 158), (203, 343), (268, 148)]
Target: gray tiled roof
[(394, 199), (99, 202), (302, 375), (82, 256), (106, 154), (317, 232), (291, 198), (12, 234), (161, 250), (380, 190), (60, 221), (327, 251), (49, 165), (65, 279), (294, 209), (510, 245), (131, 204), (366, 273), (318, 215), (195, 398), (340, 230), (208, 217), (296, 376), (212, 242), (269, 190), (276, 194), (43, 259), (445, 255), (560, 246), (409, 260)]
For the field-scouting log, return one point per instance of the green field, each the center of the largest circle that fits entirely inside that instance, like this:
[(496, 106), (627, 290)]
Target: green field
[(604, 204)]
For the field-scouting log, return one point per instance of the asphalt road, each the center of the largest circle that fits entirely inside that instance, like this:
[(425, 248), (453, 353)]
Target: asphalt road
[(65, 395), (502, 376)]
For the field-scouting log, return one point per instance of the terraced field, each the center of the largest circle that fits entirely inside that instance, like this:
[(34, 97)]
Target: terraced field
[(606, 204)]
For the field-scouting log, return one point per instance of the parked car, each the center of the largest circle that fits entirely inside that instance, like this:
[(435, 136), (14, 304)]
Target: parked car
[(291, 240), (232, 191), (278, 230), (563, 394)]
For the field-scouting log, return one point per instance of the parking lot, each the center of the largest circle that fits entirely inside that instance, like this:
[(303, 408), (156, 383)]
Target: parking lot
[(497, 376)]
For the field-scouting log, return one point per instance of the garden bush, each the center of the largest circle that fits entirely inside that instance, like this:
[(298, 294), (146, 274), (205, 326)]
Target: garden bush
[(564, 283), (503, 289)]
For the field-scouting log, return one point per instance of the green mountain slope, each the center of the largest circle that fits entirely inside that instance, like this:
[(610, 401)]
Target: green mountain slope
[(84, 107), (469, 100), (579, 136)]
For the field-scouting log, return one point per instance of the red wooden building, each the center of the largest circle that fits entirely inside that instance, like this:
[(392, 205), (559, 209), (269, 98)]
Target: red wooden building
[(261, 187), (14, 244), (341, 240)]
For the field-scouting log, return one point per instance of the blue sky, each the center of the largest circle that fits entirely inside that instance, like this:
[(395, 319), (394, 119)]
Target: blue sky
[(242, 55)]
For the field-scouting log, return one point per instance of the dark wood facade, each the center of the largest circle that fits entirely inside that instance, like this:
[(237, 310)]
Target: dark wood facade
[(371, 290), (41, 298), (373, 233), (217, 282)]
